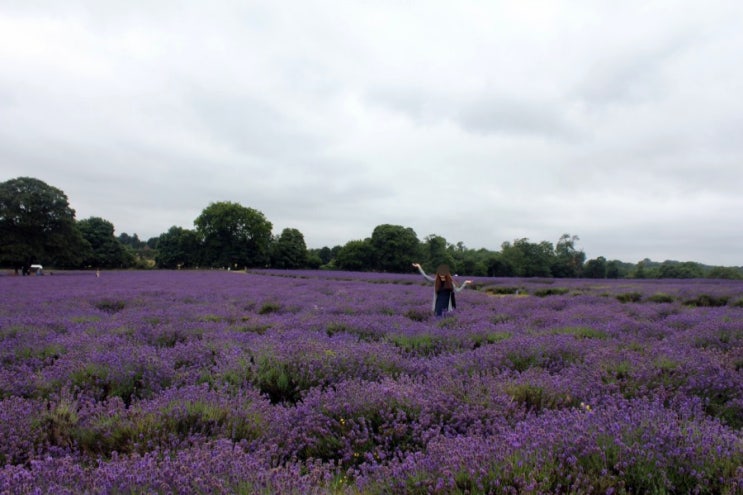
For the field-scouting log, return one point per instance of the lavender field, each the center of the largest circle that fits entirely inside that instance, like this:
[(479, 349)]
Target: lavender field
[(345, 383)]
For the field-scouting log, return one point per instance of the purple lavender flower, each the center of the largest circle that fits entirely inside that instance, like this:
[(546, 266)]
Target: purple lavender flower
[(332, 382)]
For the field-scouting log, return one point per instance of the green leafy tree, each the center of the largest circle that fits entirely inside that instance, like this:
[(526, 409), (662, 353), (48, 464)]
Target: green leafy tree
[(356, 256), (528, 259), (395, 248), (568, 262), (178, 248), (106, 251), (234, 235), (314, 261), (323, 257), (474, 262), (499, 266), (616, 269), (468, 261), (142, 253), (729, 273), (436, 253), (131, 240), (325, 254), (640, 271), (37, 225), (595, 268), (687, 269), (645, 269), (289, 250)]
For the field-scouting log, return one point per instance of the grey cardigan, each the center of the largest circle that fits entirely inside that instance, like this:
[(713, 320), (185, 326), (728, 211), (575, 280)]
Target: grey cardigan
[(457, 288)]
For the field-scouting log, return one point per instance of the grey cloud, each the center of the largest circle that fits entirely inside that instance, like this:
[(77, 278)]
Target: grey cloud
[(635, 72), (143, 113), (482, 114), (628, 79), (250, 125), (418, 104), (515, 116)]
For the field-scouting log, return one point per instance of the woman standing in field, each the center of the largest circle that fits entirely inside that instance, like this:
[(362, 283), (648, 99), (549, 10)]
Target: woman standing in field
[(444, 288)]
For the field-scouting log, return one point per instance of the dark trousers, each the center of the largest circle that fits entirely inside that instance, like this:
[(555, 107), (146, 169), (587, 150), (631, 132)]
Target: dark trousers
[(442, 302)]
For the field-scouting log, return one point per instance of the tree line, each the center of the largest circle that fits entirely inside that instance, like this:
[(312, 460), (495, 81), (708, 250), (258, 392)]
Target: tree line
[(37, 225)]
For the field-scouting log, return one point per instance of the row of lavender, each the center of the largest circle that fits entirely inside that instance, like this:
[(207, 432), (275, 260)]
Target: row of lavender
[(318, 382)]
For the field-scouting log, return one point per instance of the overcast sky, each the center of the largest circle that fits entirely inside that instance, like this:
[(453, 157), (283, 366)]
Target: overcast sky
[(479, 121)]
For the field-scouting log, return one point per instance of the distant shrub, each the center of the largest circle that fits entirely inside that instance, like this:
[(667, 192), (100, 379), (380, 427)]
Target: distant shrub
[(48, 352), (669, 374), (284, 379), (666, 364), (59, 423), (256, 328), (629, 297), (417, 315), (722, 404), (448, 321), (523, 360), (363, 334), (278, 380), (616, 372), (212, 318), (106, 433), (661, 298), (196, 417), (110, 305), (494, 337), (170, 424), (86, 319), (502, 290), (420, 345), (535, 398), (269, 307), (333, 328), (552, 291), (723, 339), (581, 332), (500, 318), (479, 340), (102, 382), (354, 423), (169, 338), (10, 332), (707, 301)]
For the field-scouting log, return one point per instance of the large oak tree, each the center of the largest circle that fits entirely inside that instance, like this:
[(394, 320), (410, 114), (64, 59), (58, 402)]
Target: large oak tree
[(106, 250), (234, 236), (178, 248), (395, 247), (289, 250), (37, 225)]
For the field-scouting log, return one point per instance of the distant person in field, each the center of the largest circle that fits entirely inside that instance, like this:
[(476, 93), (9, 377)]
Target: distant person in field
[(444, 289)]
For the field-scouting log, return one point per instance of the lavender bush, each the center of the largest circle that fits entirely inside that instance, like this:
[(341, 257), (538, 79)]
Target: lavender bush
[(333, 382)]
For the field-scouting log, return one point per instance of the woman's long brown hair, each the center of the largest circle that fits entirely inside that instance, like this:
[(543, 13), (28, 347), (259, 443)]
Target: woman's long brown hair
[(448, 283)]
